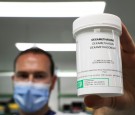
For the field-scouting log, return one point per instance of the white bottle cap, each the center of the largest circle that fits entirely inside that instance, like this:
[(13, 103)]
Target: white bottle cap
[(97, 20)]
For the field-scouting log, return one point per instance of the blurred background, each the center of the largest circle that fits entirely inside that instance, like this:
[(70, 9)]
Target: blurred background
[(51, 30)]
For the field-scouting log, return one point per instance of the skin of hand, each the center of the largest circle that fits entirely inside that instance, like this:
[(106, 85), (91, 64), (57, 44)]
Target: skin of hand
[(127, 100)]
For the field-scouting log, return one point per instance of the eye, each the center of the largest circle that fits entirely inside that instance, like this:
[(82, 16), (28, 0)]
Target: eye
[(40, 75), (22, 75)]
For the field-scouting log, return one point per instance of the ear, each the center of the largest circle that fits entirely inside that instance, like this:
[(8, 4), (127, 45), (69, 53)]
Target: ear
[(12, 77), (54, 78)]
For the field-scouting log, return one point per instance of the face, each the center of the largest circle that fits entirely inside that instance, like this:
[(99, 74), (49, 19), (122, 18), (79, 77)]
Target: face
[(33, 68)]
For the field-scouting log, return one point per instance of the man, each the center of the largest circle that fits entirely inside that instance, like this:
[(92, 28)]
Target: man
[(33, 81), (125, 104)]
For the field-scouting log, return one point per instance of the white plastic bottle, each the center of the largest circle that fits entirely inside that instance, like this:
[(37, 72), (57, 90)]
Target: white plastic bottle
[(99, 66)]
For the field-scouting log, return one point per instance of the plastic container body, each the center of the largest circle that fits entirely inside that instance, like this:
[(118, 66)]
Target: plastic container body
[(99, 66)]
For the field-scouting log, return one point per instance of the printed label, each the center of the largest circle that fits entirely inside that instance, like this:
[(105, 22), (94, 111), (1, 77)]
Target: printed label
[(98, 60), (95, 82)]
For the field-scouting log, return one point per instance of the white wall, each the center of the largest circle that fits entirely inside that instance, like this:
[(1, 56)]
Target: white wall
[(67, 86), (6, 86)]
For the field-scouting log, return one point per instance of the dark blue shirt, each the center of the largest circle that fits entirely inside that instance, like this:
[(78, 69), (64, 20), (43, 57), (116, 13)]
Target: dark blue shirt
[(50, 112)]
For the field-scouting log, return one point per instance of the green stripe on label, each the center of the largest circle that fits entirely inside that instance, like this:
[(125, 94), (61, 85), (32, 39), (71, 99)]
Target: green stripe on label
[(80, 84)]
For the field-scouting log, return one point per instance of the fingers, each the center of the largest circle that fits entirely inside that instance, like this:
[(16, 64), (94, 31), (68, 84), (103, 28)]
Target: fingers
[(121, 102), (95, 101), (126, 40)]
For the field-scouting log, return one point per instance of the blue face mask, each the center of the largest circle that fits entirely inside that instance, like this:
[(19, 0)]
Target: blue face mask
[(31, 97)]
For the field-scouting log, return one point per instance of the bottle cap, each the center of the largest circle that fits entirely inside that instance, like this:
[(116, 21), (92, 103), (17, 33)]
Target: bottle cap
[(97, 20)]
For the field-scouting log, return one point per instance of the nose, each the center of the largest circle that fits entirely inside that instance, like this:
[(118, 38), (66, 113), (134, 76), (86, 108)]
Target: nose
[(31, 78)]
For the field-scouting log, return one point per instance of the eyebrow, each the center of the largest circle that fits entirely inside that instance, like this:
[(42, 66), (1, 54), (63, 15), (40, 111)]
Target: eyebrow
[(44, 72)]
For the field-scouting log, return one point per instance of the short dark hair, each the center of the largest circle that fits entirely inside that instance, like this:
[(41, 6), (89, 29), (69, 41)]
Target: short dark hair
[(36, 50)]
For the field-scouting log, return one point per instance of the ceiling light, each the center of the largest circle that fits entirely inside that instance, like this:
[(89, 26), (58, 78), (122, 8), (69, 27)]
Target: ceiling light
[(47, 46), (58, 73), (50, 9), (66, 74), (6, 74)]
